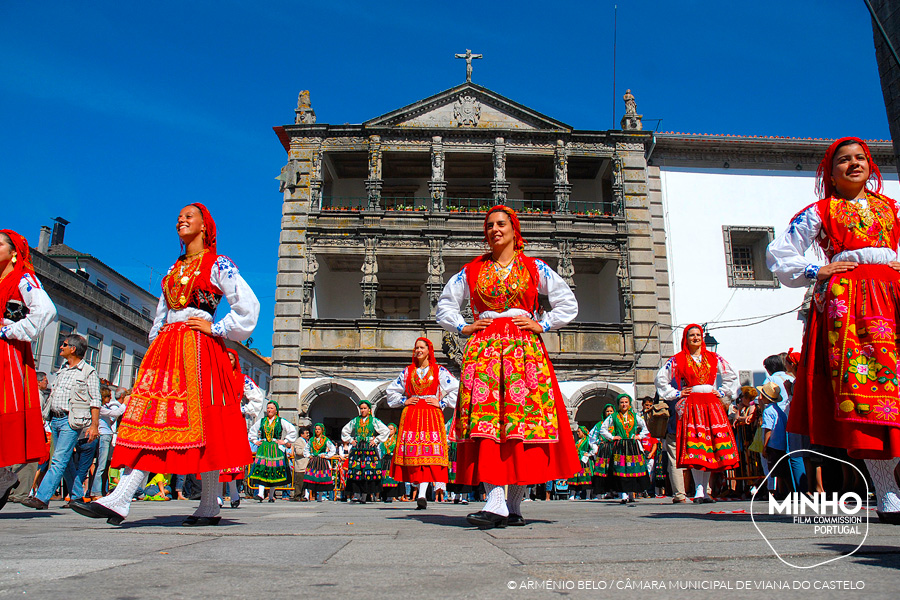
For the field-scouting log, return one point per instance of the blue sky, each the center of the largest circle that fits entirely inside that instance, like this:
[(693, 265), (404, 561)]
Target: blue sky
[(115, 115)]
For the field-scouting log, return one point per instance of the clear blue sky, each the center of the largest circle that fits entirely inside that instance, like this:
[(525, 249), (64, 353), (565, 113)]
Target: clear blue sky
[(116, 114)]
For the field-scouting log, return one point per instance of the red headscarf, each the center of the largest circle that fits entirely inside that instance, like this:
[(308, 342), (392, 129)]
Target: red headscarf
[(237, 374), (824, 185), (209, 236), (794, 357), (10, 283), (513, 219), (682, 358)]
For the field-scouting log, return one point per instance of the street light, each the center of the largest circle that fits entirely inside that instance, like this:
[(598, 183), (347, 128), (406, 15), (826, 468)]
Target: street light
[(710, 342)]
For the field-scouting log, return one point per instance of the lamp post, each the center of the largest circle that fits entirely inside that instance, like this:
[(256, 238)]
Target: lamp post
[(710, 342)]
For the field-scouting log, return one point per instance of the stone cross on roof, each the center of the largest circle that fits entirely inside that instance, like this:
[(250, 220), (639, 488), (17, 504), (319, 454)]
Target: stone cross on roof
[(469, 56)]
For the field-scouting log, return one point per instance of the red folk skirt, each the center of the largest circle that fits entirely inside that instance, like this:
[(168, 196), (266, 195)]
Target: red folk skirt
[(421, 453), (22, 437), (184, 415), (705, 440), (847, 393), (510, 423)]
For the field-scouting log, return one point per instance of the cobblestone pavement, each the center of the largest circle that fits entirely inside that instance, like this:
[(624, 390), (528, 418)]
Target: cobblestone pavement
[(597, 549)]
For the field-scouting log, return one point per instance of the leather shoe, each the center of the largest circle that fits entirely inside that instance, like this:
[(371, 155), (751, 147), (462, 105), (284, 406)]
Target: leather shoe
[(889, 518), (679, 500), (200, 521), (95, 510), (515, 520), (235, 503), (421, 503), (486, 520), (34, 503)]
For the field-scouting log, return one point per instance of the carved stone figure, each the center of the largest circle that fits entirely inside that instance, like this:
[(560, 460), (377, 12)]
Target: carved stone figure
[(437, 164), (469, 57), (565, 268), (467, 111), (561, 163), (631, 121), (288, 177), (499, 160), (630, 104), (303, 100), (304, 112)]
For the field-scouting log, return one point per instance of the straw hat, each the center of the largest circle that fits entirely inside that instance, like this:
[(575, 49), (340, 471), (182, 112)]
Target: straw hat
[(769, 392)]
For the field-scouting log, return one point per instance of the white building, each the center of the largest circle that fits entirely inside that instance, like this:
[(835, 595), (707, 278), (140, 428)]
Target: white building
[(724, 199)]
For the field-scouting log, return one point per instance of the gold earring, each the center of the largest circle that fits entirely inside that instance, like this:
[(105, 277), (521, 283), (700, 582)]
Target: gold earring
[(14, 259)]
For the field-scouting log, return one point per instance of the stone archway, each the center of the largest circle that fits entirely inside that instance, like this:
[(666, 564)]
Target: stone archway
[(587, 403), (332, 402)]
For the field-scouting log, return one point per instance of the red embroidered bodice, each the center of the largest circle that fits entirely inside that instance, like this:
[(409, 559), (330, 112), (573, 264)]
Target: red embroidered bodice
[(489, 291), (849, 226)]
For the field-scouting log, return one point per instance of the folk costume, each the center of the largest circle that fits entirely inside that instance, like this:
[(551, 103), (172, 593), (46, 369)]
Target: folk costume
[(25, 310), (582, 479), (233, 474), (705, 440), (271, 467), (319, 477), (184, 416), (846, 391), (421, 456), (252, 401), (627, 472), (364, 467), (390, 487), (510, 424), (601, 451)]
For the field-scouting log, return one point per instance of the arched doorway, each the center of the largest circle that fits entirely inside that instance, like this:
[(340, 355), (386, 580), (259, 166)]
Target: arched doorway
[(333, 409), (589, 402)]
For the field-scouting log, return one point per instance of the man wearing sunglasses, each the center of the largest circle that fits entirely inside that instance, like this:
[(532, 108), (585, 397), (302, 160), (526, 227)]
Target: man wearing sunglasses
[(74, 414)]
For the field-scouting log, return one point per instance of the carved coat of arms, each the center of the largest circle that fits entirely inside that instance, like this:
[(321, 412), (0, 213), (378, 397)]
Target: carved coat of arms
[(467, 111)]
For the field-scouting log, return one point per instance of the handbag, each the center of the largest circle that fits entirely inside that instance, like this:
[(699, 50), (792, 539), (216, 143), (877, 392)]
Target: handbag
[(658, 422), (757, 444)]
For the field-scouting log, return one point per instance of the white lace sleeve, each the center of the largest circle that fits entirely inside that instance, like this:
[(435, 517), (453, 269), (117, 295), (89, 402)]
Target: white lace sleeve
[(730, 384), (396, 391), (253, 434), (786, 255), (330, 449), (604, 429), (288, 431), (239, 323), (347, 431), (664, 381), (449, 388), (41, 311), (162, 309), (450, 305), (643, 432), (382, 433), (255, 399), (564, 306)]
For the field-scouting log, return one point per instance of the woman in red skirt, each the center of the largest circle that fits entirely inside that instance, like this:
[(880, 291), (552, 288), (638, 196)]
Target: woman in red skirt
[(424, 389), (705, 441), (510, 424), (847, 393), (184, 415), (25, 310)]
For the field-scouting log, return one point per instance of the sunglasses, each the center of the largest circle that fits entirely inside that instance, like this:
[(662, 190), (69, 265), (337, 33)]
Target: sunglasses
[(65, 345)]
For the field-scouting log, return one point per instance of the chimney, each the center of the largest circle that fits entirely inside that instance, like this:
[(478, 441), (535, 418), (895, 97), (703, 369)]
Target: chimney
[(44, 240), (59, 231)]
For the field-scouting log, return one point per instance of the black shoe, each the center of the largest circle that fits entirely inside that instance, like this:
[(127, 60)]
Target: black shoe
[(258, 498), (421, 503), (271, 499), (33, 502), (200, 521), (5, 496), (486, 520), (456, 501), (96, 511), (235, 503), (889, 518), (515, 520), (708, 500)]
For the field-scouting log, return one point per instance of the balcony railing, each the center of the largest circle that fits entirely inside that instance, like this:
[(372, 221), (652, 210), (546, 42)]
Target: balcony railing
[(581, 208)]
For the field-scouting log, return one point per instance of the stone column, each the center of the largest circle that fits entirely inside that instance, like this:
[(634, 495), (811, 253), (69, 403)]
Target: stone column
[(437, 186), (500, 186), (316, 180), (561, 188), (618, 187), (435, 283), (565, 268), (309, 282), (624, 278), (369, 283), (292, 269), (374, 183)]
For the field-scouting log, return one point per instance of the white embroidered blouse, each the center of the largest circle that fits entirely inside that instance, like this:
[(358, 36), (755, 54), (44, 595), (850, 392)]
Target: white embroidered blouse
[(41, 312)]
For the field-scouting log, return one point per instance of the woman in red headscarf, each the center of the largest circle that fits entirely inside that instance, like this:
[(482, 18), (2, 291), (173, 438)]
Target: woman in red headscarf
[(510, 424), (423, 388), (26, 311), (184, 415), (705, 441), (846, 392)]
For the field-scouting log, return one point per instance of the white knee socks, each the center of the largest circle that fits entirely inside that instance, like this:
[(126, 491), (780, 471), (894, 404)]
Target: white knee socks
[(496, 503), (209, 507), (514, 496), (423, 489), (119, 500), (701, 480), (882, 472)]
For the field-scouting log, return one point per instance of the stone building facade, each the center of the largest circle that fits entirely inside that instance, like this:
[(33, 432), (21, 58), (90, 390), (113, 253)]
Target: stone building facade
[(377, 217)]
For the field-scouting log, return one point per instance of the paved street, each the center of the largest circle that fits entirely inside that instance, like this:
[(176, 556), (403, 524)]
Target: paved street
[(336, 550)]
